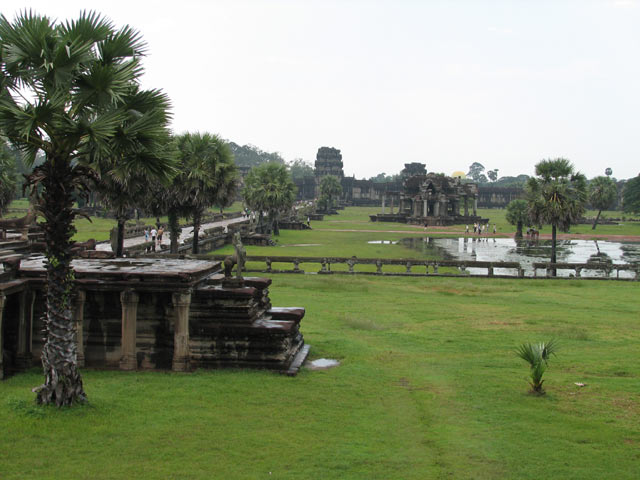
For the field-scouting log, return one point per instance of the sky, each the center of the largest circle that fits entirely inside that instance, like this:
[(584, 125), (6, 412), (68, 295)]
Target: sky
[(444, 83)]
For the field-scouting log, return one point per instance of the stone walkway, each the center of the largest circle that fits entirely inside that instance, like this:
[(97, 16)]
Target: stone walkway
[(186, 233)]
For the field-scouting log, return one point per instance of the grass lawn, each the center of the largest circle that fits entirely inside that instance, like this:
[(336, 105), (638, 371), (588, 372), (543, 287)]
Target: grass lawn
[(429, 387)]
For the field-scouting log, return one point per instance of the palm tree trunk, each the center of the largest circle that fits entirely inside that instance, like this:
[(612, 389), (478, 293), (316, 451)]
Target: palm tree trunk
[(197, 216), (120, 237), (519, 230), (276, 229), (174, 231), (553, 248), (595, 222), (63, 384)]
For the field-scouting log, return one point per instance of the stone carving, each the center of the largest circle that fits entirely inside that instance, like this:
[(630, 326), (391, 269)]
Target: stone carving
[(21, 224), (237, 259)]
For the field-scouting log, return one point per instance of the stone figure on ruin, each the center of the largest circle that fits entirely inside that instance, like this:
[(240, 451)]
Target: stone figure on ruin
[(238, 258)]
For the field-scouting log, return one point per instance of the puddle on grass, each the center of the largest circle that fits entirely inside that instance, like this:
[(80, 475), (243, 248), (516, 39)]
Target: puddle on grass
[(382, 242), (527, 252), (322, 364)]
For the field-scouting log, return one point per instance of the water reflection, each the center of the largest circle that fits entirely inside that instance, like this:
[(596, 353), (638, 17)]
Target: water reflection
[(526, 252)]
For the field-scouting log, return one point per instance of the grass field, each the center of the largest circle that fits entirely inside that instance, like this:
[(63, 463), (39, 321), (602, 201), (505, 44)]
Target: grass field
[(428, 387)]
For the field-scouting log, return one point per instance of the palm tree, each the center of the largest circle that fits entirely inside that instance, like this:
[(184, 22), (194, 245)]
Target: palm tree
[(537, 356), (268, 187), (602, 193), (556, 196), (62, 91), (330, 188), (139, 147), (208, 177), (631, 195), (517, 215)]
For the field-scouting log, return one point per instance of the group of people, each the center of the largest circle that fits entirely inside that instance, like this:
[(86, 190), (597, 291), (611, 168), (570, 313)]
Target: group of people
[(156, 236), (480, 228)]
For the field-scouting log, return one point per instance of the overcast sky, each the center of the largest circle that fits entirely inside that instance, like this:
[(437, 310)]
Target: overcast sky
[(445, 83)]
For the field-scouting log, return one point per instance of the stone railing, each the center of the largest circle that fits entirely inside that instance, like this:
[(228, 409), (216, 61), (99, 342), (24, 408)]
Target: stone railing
[(577, 268), (416, 267)]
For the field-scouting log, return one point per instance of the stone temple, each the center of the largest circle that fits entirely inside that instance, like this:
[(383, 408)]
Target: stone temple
[(431, 199), (152, 313)]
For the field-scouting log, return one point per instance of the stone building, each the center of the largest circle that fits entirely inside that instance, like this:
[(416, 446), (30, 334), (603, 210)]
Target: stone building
[(431, 199)]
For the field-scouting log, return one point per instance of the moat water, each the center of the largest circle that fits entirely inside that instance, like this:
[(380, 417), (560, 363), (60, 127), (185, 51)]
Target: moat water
[(526, 252)]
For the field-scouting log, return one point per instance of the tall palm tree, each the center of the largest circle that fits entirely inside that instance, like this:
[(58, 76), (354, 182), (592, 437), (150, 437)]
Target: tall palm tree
[(602, 193), (269, 187), (517, 215), (63, 87), (556, 196), (330, 188), (208, 176), (140, 146)]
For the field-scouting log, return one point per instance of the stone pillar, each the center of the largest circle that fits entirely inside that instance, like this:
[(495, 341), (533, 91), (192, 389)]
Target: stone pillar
[(78, 319), (384, 197), (392, 204), (23, 354), (466, 206), (425, 211), (475, 205), (3, 299), (436, 208), (415, 208), (129, 300), (181, 355), (401, 206)]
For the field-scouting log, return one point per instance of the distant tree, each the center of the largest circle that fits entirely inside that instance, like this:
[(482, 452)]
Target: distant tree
[(300, 169), (330, 189), (493, 174), (608, 171), (519, 181), (251, 156), (475, 172), (139, 144), (384, 178), (269, 188), (207, 175), (556, 196), (517, 214), (631, 195), (602, 193), (7, 177)]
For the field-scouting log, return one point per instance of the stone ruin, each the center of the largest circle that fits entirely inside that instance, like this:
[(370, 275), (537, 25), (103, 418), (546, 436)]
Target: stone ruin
[(150, 313), (431, 199)]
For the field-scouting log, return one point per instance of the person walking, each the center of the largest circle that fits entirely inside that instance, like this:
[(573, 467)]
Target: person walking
[(466, 229), (154, 234), (494, 228)]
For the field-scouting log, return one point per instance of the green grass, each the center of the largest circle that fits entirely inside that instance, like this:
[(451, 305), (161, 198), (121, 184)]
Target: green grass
[(429, 387)]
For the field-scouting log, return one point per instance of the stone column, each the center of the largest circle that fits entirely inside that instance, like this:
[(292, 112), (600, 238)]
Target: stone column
[(475, 205), (424, 207), (466, 206), (415, 207), (401, 206), (23, 354), (32, 302), (181, 302), (392, 198), (3, 299), (383, 199), (436, 208), (129, 300), (78, 319)]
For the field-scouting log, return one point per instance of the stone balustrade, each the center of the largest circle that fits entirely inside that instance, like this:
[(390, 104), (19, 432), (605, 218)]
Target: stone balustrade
[(416, 267)]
